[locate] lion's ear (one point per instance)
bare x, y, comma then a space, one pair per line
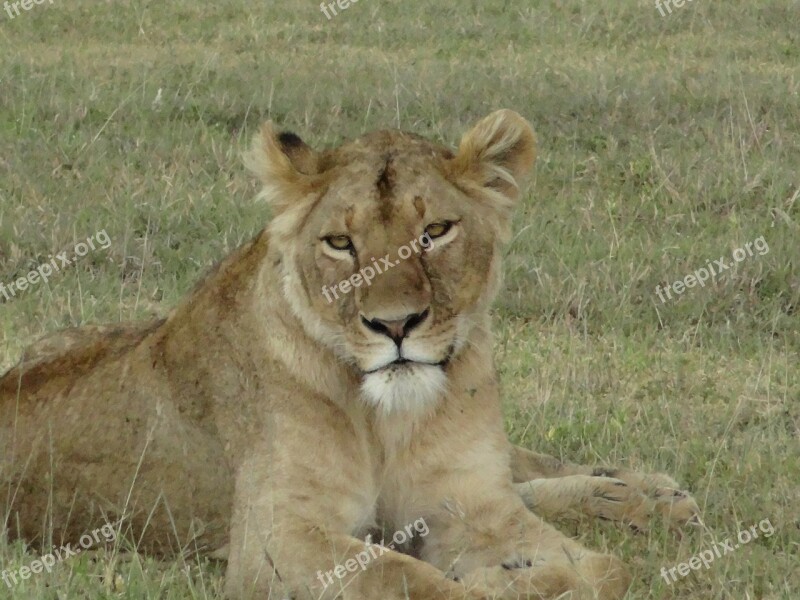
284, 163
497, 153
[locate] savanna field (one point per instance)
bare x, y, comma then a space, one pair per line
665, 143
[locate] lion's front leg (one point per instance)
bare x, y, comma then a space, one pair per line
557, 490
298, 546
490, 539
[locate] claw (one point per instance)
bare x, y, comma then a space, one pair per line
519, 563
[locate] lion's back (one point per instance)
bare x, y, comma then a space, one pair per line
55, 362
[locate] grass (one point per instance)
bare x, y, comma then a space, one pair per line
665, 143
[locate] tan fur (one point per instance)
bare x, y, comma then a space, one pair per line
250, 418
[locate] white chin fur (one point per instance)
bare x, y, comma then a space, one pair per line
409, 388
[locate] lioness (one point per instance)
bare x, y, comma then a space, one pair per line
269, 420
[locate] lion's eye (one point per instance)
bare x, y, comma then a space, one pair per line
339, 242
436, 230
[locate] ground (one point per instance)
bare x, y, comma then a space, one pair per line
666, 142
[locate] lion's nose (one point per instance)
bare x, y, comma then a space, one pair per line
397, 329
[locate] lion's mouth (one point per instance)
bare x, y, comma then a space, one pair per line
402, 363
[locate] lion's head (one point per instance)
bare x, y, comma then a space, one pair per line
392, 198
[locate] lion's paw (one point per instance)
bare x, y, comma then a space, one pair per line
656, 496
612, 499
677, 507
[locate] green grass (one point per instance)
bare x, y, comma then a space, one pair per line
665, 143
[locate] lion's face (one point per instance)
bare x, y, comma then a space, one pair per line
393, 245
